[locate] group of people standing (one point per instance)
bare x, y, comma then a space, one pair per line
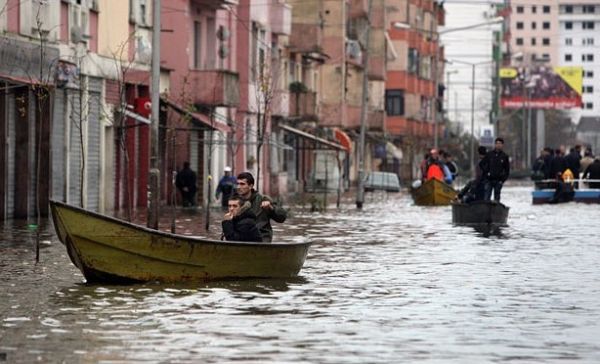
491, 171
565, 170
249, 213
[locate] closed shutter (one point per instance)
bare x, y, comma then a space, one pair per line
93, 144
10, 156
74, 150
57, 140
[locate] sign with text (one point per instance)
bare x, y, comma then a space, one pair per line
541, 87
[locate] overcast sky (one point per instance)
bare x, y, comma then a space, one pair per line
470, 46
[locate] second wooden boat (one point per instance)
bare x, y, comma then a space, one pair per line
480, 213
433, 193
110, 250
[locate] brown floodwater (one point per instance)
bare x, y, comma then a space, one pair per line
393, 283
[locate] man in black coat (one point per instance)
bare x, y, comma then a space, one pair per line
573, 161
593, 172
498, 170
239, 223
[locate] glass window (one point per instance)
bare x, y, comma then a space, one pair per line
546, 25
568, 57
534, 9
519, 25
520, 10
519, 41
589, 74
588, 25
589, 9
546, 9
533, 25
569, 41
589, 105
533, 41
569, 25
546, 41
394, 102
569, 9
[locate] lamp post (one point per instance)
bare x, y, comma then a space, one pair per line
471, 143
436, 36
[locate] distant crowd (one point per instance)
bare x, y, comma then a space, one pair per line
554, 164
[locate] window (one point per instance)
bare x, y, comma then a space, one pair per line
568, 57
519, 25
569, 25
587, 57
413, 60
587, 41
569, 9
588, 89
533, 25
519, 41
546, 57
589, 9
533, 41
546, 41
534, 57
588, 25
589, 74
534, 9
546, 9
394, 102
197, 45
589, 105
568, 41
546, 25
520, 10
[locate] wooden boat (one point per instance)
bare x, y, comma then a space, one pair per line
433, 193
480, 213
107, 249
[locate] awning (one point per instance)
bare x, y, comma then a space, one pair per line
201, 120
324, 142
343, 138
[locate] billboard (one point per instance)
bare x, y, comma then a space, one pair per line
541, 87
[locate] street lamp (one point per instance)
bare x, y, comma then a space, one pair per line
436, 36
472, 144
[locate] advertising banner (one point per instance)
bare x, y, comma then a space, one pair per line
541, 87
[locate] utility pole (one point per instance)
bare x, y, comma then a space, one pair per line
360, 193
472, 146
154, 178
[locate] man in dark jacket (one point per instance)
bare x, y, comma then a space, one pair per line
262, 206
573, 161
498, 170
593, 172
239, 223
185, 181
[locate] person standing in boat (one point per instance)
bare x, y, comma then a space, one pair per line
262, 206
498, 170
593, 172
185, 181
239, 223
226, 187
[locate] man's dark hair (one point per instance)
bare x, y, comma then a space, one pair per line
186, 164
482, 150
247, 176
236, 197
501, 140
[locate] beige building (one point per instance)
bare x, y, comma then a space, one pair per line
534, 29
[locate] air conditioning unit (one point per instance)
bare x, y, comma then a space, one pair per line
353, 50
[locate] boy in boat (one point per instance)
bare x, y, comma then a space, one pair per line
262, 206
474, 189
239, 223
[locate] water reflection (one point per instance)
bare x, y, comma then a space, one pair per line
393, 283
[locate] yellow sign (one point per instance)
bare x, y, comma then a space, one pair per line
508, 72
573, 76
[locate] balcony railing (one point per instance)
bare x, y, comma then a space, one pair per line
215, 87
303, 105
281, 18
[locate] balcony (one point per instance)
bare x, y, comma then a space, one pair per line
306, 38
376, 120
303, 105
359, 8
215, 4
215, 87
281, 19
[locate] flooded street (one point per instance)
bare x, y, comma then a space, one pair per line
394, 283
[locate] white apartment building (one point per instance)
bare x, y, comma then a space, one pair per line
579, 45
